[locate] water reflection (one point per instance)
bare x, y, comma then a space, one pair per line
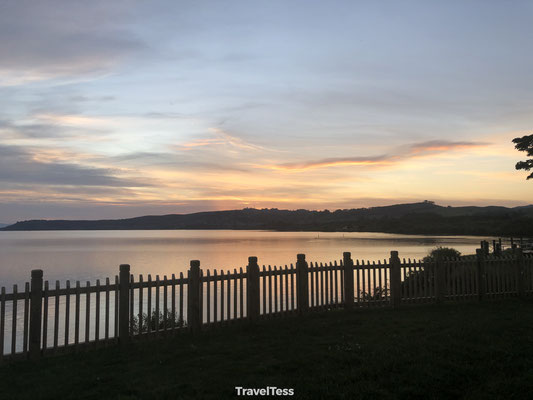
91, 255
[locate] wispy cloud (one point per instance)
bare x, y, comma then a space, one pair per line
44, 125
221, 138
333, 162
234, 140
70, 119
200, 143
401, 154
39, 40
19, 165
444, 146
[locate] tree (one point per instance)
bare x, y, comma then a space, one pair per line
525, 143
444, 252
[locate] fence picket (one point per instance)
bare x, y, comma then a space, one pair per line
222, 276
369, 283
373, 293
181, 297
314, 284
269, 273
263, 276
149, 309
116, 307
140, 307
67, 314
131, 305
208, 295
25, 328
106, 323
2, 320
321, 287
173, 302
215, 297
56, 317
77, 315
14, 322
45, 317
292, 287
97, 313
235, 294
165, 303
228, 298
276, 289
157, 295
87, 312
326, 284
241, 279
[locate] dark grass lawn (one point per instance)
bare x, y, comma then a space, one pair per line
478, 351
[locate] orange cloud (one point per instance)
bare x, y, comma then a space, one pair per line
443, 146
221, 138
200, 143
412, 151
69, 119
334, 162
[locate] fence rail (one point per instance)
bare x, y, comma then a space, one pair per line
44, 318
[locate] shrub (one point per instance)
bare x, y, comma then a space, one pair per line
378, 294
157, 320
442, 252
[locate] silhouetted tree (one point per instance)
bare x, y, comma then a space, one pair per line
525, 143
444, 252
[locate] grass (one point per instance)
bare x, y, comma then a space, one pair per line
474, 351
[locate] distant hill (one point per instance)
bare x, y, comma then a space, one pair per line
415, 218
2, 225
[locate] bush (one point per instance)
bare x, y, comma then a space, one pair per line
442, 252
379, 294
157, 320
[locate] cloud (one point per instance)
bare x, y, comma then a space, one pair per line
402, 154
221, 138
174, 162
49, 126
18, 165
49, 39
444, 145
336, 161
84, 99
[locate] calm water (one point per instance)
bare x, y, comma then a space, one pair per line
91, 255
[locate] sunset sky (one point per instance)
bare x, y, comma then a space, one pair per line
113, 109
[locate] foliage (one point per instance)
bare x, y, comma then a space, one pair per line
157, 320
378, 294
525, 143
508, 252
442, 252
419, 277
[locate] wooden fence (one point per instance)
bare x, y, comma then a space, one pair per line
44, 319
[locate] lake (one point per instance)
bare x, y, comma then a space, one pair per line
91, 255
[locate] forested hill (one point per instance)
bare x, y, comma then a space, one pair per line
416, 218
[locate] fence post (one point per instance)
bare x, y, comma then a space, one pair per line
481, 278
35, 313
123, 304
194, 312
302, 284
440, 279
348, 280
520, 267
252, 289
396, 278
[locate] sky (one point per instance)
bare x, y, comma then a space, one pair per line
127, 108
